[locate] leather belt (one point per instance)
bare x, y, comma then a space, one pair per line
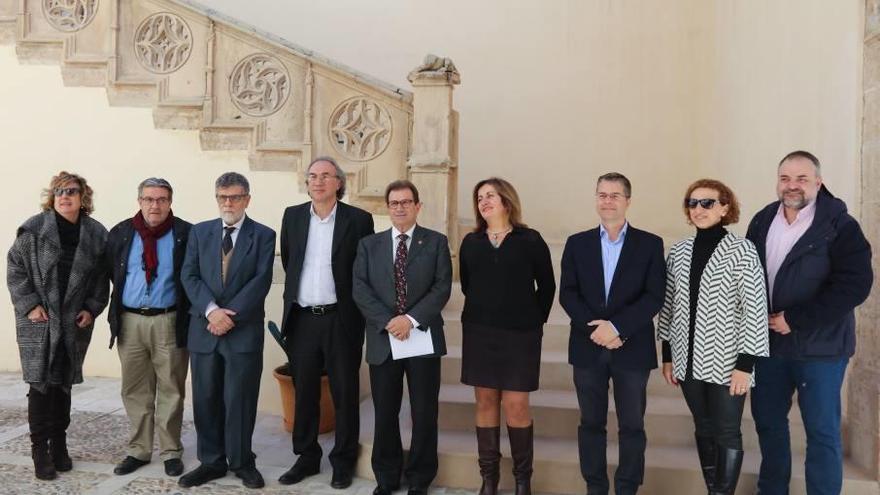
319, 310
149, 311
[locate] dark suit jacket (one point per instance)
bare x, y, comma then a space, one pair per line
428, 285
636, 296
118, 248
248, 281
350, 226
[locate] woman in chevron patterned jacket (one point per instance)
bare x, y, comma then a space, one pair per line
712, 326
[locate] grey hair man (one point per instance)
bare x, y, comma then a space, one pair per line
149, 315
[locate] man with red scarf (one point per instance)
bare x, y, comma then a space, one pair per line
149, 317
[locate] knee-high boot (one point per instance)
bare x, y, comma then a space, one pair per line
489, 451
60, 400
39, 422
521, 449
727, 467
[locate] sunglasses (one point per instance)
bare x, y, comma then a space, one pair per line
706, 203
65, 191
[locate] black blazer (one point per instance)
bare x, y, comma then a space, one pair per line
116, 262
636, 296
247, 284
428, 285
351, 225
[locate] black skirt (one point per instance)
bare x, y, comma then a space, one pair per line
499, 358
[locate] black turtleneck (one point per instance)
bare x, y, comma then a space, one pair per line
68, 234
705, 243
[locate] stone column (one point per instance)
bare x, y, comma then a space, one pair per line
433, 161
863, 398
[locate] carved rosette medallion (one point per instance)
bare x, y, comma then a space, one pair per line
69, 15
360, 128
259, 85
163, 43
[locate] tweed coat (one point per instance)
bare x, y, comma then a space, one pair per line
32, 278
731, 309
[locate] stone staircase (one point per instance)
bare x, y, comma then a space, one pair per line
671, 459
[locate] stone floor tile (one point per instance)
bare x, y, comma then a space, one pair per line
19, 480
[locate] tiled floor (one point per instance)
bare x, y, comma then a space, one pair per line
97, 437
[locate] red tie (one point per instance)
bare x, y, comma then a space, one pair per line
400, 273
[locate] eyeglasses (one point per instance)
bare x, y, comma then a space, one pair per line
404, 203
65, 191
234, 198
155, 201
706, 203
320, 178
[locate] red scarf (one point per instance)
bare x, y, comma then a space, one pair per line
149, 236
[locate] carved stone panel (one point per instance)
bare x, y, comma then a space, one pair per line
259, 85
69, 15
360, 128
163, 43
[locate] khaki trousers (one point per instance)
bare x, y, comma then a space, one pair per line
153, 383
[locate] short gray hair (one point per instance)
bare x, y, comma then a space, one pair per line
231, 179
155, 182
340, 174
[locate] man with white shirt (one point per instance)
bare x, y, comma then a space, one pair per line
396, 306
227, 273
818, 266
322, 326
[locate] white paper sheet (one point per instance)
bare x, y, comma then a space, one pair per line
419, 343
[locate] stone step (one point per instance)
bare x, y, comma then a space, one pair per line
668, 422
556, 467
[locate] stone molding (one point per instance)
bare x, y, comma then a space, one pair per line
241, 88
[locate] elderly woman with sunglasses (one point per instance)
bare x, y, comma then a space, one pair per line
58, 287
713, 326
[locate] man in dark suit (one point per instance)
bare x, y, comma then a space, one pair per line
322, 326
402, 280
613, 282
227, 274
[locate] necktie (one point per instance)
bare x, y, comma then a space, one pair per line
400, 273
227, 240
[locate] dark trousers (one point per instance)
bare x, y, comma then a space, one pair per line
423, 384
629, 400
818, 385
318, 343
225, 387
717, 414
48, 414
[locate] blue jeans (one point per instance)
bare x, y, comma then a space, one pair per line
818, 384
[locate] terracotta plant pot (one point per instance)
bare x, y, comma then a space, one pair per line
288, 398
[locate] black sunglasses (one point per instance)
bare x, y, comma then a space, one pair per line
65, 191
706, 203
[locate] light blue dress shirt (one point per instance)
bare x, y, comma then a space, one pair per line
161, 293
610, 256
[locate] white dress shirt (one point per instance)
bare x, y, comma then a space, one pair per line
234, 235
316, 284
394, 242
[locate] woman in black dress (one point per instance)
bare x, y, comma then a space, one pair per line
508, 282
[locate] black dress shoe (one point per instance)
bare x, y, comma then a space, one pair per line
250, 477
299, 472
129, 465
173, 467
340, 479
200, 476
384, 490
417, 491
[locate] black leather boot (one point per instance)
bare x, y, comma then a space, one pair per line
60, 421
489, 451
522, 451
39, 422
727, 467
706, 448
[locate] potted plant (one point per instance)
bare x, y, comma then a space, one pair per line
288, 396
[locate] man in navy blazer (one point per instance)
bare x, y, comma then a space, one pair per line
227, 274
613, 283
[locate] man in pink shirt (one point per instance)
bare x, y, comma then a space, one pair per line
818, 266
